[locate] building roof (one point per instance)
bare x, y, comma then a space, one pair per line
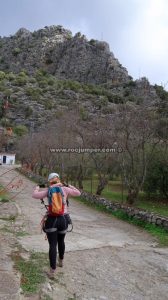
7, 154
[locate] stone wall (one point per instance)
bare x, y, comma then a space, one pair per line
133, 212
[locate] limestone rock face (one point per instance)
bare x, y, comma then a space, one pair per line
63, 55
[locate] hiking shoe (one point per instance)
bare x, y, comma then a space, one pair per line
60, 262
51, 273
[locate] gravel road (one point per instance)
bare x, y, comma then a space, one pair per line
105, 258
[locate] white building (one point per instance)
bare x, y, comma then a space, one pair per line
7, 158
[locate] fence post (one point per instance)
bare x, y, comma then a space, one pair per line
91, 184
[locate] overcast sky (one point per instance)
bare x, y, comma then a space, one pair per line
136, 30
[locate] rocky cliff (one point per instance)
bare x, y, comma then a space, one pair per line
49, 71
55, 50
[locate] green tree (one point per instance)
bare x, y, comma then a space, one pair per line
156, 182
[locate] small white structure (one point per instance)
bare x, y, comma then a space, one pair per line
7, 158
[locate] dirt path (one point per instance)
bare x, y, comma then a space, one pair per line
105, 258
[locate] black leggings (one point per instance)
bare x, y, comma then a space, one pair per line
56, 237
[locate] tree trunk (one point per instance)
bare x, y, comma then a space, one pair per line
80, 177
41, 170
101, 185
132, 195
80, 184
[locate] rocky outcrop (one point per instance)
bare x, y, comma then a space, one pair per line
55, 50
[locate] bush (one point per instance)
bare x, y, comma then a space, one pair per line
8, 93
35, 93
5, 122
131, 98
42, 83
72, 85
92, 42
2, 75
28, 112
115, 99
48, 104
20, 130
94, 90
156, 181
16, 51
161, 92
10, 76
32, 80
21, 79
41, 74
51, 81
126, 92
130, 83
2, 86
83, 114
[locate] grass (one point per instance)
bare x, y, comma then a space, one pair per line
47, 297
10, 218
32, 274
158, 232
156, 206
21, 233
113, 192
3, 196
4, 199
6, 229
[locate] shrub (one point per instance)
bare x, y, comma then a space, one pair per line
5, 122
2, 75
93, 89
156, 181
10, 76
20, 130
126, 92
28, 112
32, 80
83, 114
72, 85
8, 92
51, 81
161, 92
22, 73
43, 83
131, 98
2, 86
130, 83
16, 51
69, 36
92, 42
48, 104
40, 74
35, 93
115, 98
21, 79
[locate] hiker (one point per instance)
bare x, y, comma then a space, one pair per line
56, 224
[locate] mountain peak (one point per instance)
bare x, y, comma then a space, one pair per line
58, 52
22, 32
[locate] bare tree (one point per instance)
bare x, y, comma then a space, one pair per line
136, 131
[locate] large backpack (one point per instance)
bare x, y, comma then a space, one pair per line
56, 201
